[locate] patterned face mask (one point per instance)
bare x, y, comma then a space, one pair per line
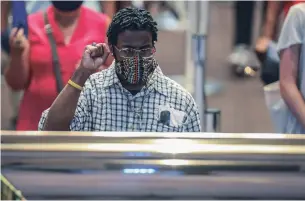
136, 70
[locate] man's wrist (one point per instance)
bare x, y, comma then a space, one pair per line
80, 76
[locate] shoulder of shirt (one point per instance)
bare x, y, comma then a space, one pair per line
173, 88
297, 9
97, 79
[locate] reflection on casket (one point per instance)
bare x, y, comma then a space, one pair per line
154, 165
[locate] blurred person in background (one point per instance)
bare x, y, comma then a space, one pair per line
291, 48
132, 95
244, 59
243, 55
271, 21
10, 10
266, 43
164, 14
31, 63
269, 25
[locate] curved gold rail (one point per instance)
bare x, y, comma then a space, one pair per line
226, 166
87, 146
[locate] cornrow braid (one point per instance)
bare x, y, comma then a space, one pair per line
132, 19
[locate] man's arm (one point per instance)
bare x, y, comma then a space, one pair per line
289, 44
69, 103
271, 19
269, 26
72, 102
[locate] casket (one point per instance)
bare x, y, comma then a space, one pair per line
89, 165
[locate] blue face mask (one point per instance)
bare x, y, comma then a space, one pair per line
136, 70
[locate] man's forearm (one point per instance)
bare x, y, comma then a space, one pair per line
294, 101
62, 111
272, 14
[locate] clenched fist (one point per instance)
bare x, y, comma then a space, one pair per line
94, 56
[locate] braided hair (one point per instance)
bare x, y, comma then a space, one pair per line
132, 19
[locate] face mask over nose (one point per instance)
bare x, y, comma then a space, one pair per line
136, 70
67, 6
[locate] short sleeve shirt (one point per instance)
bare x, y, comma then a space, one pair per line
105, 105
289, 4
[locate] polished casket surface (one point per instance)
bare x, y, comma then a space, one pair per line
77, 165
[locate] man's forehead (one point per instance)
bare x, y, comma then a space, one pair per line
134, 38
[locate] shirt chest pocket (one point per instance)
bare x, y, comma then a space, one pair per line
155, 124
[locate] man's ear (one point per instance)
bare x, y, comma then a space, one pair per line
111, 49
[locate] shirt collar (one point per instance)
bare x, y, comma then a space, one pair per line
157, 80
110, 77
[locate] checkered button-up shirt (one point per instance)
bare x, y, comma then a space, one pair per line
104, 105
